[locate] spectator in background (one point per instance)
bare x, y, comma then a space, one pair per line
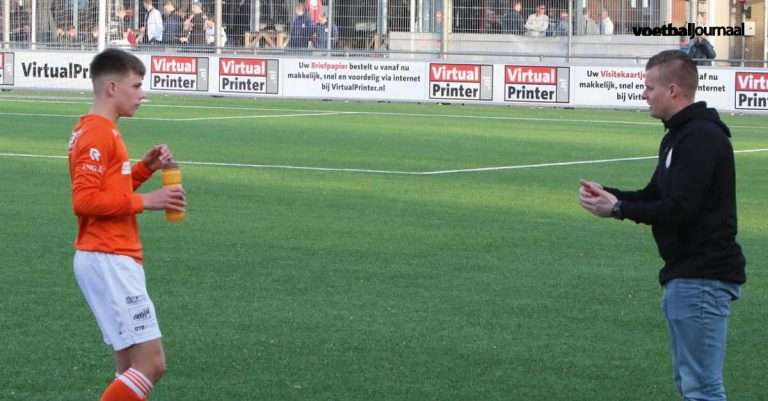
606, 25
153, 25
322, 30
588, 26
701, 51
237, 18
562, 26
210, 33
129, 19
93, 37
537, 23
173, 25
301, 29
439, 21
491, 22
195, 25
514, 22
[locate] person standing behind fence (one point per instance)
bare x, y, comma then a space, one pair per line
322, 29
701, 50
562, 26
606, 25
301, 29
173, 25
690, 204
537, 23
153, 25
195, 25
514, 22
588, 26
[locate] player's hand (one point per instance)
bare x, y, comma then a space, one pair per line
157, 157
589, 188
594, 199
172, 198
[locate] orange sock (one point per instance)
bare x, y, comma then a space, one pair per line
132, 385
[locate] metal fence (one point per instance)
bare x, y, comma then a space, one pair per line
419, 28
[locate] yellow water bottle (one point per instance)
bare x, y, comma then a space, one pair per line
171, 176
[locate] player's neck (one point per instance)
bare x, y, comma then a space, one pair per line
105, 110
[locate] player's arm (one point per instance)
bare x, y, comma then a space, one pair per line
88, 182
690, 176
156, 158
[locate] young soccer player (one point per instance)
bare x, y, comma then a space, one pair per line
108, 258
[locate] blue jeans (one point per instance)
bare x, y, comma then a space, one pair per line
697, 315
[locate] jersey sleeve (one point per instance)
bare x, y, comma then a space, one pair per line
90, 196
140, 173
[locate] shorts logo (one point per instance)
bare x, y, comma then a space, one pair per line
126, 168
95, 154
141, 314
134, 299
142, 319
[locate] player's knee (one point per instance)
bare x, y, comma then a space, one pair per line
158, 368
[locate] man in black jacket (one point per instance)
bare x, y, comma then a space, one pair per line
701, 50
690, 204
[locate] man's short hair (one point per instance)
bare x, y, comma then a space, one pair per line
116, 62
676, 67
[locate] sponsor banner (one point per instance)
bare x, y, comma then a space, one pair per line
51, 70
460, 81
751, 90
353, 79
178, 73
608, 86
714, 88
623, 87
250, 76
536, 84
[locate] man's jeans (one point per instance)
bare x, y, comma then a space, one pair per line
697, 314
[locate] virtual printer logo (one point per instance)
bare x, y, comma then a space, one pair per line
179, 73
240, 75
538, 84
460, 81
751, 90
6, 69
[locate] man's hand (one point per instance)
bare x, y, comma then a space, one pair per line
594, 199
157, 157
173, 198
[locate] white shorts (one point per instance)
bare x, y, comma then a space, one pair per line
116, 291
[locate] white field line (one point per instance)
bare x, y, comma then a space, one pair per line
391, 172
331, 112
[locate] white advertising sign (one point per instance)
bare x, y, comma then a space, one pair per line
608, 86
623, 87
727, 89
52, 70
353, 79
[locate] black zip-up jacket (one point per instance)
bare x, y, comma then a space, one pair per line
690, 201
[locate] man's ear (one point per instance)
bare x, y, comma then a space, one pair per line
110, 88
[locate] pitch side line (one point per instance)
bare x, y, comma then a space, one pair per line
391, 172
328, 112
187, 119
